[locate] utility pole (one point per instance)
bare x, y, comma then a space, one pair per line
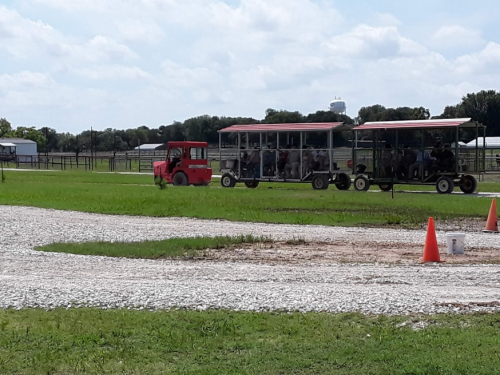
91, 143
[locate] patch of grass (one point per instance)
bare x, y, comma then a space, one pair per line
170, 248
284, 203
221, 342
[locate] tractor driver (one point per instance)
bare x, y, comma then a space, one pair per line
175, 159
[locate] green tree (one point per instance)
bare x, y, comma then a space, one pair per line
483, 106
30, 133
282, 117
52, 139
5, 127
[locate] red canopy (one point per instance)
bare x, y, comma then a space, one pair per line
417, 124
296, 127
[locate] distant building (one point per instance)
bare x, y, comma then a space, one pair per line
490, 142
151, 148
25, 149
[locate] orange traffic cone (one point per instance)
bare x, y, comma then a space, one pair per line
431, 250
492, 222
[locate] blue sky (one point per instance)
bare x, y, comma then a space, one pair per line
74, 64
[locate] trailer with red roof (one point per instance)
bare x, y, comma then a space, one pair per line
292, 152
418, 152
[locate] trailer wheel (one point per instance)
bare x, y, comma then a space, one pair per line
227, 180
385, 187
361, 183
444, 185
320, 182
468, 184
251, 184
180, 179
343, 182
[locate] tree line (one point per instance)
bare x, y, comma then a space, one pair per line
483, 107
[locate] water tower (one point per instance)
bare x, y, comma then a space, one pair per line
338, 106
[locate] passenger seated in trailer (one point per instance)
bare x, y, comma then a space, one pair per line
282, 160
269, 162
242, 161
446, 160
253, 164
419, 164
317, 157
307, 160
386, 161
293, 163
435, 155
407, 158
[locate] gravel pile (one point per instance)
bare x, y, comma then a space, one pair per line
34, 279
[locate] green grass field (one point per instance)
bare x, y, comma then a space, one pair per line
277, 203
224, 342
61, 341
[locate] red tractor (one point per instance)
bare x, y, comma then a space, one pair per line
186, 164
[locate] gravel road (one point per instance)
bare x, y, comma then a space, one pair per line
35, 279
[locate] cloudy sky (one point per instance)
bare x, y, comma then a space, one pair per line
72, 64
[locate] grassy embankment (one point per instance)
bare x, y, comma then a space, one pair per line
279, 203
221, 342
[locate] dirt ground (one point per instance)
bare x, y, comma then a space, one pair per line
320, 252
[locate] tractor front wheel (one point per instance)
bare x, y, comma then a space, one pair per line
180, 179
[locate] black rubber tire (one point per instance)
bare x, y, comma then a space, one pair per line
343, 182
251, 184
468, 184
180, 179
320, 182
385, 186
444, 185
361, 183
227, 180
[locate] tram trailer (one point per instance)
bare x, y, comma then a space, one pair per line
260, 149
381, 163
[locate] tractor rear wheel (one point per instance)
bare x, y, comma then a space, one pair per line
180, 179
227, 180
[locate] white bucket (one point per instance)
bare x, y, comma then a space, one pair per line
455, 243
229, 164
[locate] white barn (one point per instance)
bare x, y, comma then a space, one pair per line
25, 149
491, 142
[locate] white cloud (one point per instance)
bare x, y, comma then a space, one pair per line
456, 36
158, 60
25, 80
370, 42
484, 62
114, 72
137, 30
